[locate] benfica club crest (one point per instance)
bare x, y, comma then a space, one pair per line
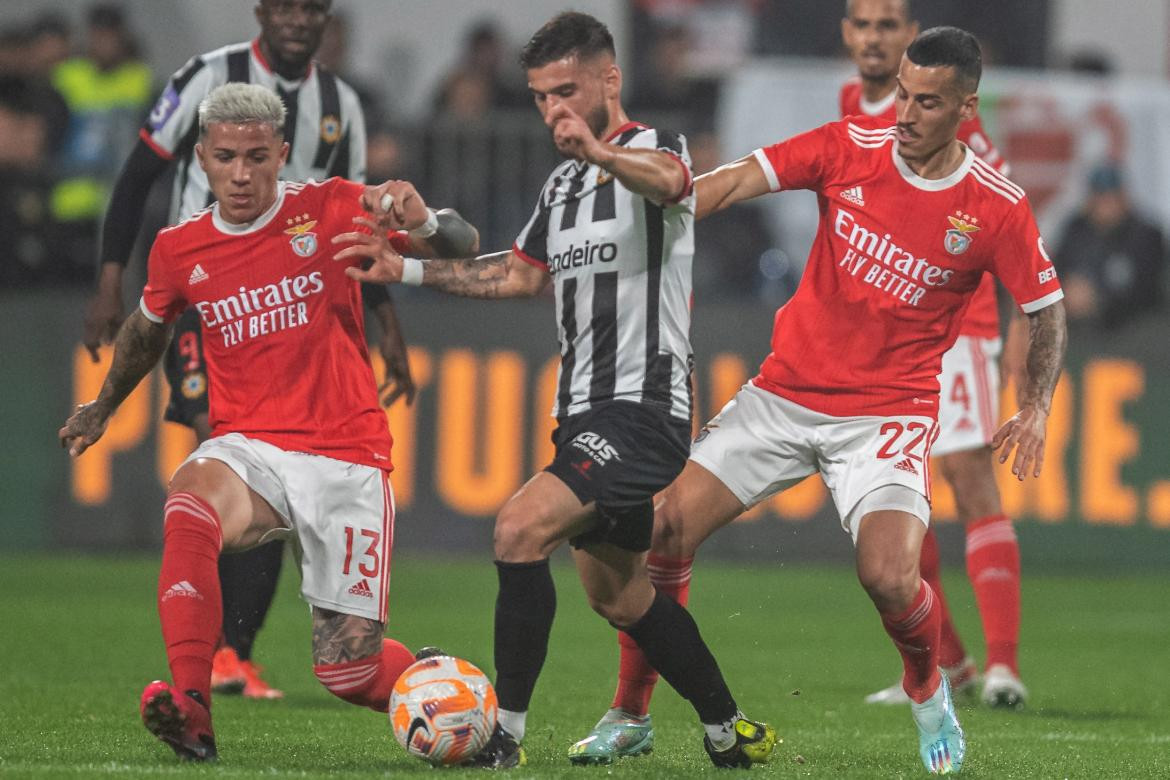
958, 238
303, 242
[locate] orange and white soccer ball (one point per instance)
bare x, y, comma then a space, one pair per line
443, 709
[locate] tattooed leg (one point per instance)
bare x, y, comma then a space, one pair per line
338, 638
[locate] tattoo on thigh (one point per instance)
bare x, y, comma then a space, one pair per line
338, 637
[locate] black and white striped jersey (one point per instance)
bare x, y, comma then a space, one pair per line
325, 127
621, 266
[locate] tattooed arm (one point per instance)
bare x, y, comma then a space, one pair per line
338, 637
1047, 340
502, 275
137, 348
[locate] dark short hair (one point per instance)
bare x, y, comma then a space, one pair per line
907, 8
949, 47
567, 34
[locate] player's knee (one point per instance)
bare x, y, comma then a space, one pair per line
518, 537
670, 535
891, 585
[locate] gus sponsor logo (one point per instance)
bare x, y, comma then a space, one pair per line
596, 447
578, 256
876, 259
261, 310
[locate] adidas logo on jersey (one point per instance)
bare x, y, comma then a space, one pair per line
853, 195
182, 589
906, 465
197, 275
362, 588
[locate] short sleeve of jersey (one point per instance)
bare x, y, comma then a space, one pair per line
675, 145
355, 132
1021, 262
162, 300
177, 108
531, 245
803, 161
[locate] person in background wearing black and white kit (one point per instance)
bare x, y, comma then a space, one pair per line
614, 231
326, 132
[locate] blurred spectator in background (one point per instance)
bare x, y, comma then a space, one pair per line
108, 91
667, 93
483, 79
25, 221
1109, 258
49, 43
731, 244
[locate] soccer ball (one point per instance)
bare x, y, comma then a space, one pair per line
443, 709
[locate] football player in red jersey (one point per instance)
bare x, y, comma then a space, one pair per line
911, 220
876, 33
309, 456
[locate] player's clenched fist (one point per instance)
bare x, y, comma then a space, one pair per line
396, 205
386, 265
83, 428
572, 135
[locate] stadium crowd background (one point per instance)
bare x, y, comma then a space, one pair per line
1076, 96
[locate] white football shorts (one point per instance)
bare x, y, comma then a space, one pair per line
968, 410
342, 514
761, 444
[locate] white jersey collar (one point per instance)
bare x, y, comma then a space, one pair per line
933, 185
877, 107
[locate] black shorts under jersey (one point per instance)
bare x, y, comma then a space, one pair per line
619, 455
186, 371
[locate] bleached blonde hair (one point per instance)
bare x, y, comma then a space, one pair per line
240, 104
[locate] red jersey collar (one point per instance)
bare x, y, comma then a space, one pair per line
259, 55
622, 129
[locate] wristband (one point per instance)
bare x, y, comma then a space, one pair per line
412, 271
428, 228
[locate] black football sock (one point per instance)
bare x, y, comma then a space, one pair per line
525, 607
670, 640
248, 581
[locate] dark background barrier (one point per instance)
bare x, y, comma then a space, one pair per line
480, 427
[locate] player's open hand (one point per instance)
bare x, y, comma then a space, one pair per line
398, 382
372, 258
572, 135
395, 205
1024, 433
83, 429
103, 317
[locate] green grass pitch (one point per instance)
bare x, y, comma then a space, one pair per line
799, 646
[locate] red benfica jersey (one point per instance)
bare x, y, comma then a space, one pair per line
894, 264
283, 330
982, 317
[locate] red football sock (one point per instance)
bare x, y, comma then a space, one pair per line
950, 650
636, 677
915, 633
367, 682
993, 564
190, 606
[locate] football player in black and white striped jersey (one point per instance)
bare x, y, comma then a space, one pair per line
613, 230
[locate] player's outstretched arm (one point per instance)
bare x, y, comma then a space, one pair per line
137, 348
502, 275
742, 179
653, 174
1025, 431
